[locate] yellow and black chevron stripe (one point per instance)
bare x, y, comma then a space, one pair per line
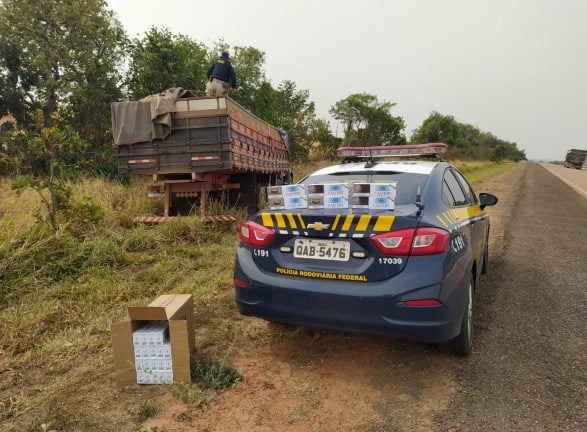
458, 216
352, 225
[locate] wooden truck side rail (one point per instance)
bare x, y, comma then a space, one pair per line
209, 134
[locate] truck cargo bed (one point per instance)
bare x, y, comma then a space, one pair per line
209, 135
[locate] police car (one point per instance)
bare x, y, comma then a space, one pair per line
381, 247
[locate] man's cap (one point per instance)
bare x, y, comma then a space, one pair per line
225, 55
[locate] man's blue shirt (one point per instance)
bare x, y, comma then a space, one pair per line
222, 70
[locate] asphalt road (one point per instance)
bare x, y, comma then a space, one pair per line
529, 368
575, 178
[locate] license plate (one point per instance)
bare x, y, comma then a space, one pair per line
330, 250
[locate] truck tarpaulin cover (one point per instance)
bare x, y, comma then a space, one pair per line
147, 119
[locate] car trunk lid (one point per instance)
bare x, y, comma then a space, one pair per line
336, 246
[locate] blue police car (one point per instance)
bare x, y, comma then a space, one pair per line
382, 247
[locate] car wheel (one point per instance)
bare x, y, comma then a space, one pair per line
486, 255
462, 345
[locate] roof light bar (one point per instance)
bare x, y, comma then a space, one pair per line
430, 149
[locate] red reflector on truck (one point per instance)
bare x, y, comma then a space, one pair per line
205, 158
141, 161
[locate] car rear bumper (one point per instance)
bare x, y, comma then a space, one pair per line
372, 307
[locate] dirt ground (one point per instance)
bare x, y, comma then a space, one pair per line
324, 381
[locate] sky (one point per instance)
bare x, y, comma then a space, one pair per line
515, 68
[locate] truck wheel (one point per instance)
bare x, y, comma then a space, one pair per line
462, 344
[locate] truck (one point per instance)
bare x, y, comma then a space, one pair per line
576, 159
196, 147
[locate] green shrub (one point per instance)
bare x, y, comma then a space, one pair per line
214, 374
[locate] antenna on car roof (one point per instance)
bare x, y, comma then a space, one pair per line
370, 162
419, 199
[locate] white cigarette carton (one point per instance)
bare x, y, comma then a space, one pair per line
341, 201
154, 377
361, 189
315, 201
336, 190
383, 190
152, 353
293, 191
359, 201
274, 191
276, 202
381, 203
295, 202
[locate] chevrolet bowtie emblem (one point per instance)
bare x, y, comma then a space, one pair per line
318, 226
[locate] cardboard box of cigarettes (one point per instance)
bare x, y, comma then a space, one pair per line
156, 344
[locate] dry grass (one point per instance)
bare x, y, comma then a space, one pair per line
302, 170
59, 294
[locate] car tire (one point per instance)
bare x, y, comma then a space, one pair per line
485, 264
462, 344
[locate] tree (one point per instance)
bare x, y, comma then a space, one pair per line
437, 128
162, 60
52, 141
248, 63
368, 121
49, 51
465, 139
296, 114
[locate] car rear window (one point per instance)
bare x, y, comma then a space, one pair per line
406, 189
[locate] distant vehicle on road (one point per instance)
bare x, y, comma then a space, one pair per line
382, 247
576, 159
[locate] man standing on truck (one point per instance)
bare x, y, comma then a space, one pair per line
221, 77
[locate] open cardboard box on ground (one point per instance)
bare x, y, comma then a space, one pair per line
178, 309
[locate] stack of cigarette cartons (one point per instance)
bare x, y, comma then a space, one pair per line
287, 197
156, 345
332, 195
374, 196
153, 353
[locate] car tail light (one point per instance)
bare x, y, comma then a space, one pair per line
430, 241
254, 234
421, 241
394, 242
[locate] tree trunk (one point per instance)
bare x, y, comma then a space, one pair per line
49, 107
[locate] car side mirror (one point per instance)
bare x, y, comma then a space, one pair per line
487, 199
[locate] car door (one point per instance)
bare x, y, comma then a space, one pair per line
461, 241
478, 220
